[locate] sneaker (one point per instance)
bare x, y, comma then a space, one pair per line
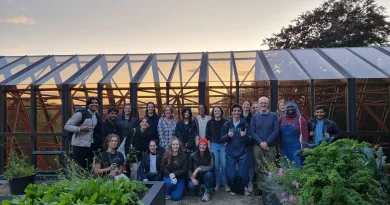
227, 188
232, 193
206, 196
217, 188
168, 197
246, 192
250, 187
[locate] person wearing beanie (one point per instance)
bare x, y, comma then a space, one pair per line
202, 166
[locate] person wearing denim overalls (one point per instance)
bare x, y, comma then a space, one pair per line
293, 130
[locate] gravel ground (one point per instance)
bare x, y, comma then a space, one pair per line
4, 190
218, 198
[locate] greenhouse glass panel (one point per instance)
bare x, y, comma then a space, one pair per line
98, 70
284, 66
315, 65
356, 66
14, 68
375, 56
38, 71
7, 60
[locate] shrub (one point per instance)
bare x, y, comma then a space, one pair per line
18, 166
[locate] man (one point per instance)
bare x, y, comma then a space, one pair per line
321, 128
234, 134
111, 124
85, 125
255, 107
264, 130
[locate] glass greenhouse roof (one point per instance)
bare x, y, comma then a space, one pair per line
187, 68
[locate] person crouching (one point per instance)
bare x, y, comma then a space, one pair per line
202, 166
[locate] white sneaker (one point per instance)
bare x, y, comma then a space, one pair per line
168, 197
232, 193
217, 188
227, 188
250, 187
246, 192
206, 196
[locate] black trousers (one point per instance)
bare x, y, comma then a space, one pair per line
83, 156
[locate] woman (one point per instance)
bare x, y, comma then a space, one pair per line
186, 131
151, 114
174, 166
138, 139
126, 121
149, 168
281, 107
247, 116
293, 130
213, 134
166, 127
201, 166
110, 161
201, 122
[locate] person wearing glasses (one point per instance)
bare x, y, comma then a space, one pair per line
264, 130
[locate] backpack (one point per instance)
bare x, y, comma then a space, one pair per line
83, 111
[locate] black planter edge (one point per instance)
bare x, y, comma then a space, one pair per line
156, 193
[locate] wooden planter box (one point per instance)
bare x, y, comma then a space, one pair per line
155, 196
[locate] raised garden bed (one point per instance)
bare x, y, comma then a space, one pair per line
155, 195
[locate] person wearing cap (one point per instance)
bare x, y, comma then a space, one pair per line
111, 125
201, 166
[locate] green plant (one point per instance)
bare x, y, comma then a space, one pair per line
132, 155
78, 186
18, 166
344, 172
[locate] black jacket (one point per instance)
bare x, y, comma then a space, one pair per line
153, 126
112, 129
144, 166
140, 141
213, 130
329, 126
186, 134
248, 118
127, 125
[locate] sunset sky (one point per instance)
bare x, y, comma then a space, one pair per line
32, 27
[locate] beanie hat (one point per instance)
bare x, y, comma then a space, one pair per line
203, 140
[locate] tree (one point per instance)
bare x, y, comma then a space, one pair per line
336, 23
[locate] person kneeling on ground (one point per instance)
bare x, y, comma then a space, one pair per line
149, 168
202, 166
110, 162
175, 168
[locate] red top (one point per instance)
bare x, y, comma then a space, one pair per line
299, 126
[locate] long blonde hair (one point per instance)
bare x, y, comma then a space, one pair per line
169, 153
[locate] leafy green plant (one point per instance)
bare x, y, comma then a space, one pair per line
78, 186
132, 155
18, 166
344, 172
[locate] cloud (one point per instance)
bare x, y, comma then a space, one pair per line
13, 50
18, 20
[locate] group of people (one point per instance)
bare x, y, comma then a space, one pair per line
196, 152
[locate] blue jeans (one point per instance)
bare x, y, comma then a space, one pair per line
174, 190
231, 171
220, 163
203, 178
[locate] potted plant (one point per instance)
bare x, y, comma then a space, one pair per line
19, 173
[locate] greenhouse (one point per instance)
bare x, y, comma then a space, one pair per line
38, 93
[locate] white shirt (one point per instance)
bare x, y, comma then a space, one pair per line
153, 167
202, 125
